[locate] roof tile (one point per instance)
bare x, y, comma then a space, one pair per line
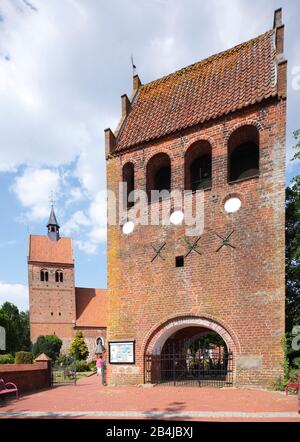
91, 307
208, 89
43, 249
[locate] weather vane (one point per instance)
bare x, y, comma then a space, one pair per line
133, 66
51, 198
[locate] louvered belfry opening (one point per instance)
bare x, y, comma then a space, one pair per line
159, 174
243, 153
198, 166
128, 178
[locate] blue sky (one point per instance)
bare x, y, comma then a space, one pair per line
63, 66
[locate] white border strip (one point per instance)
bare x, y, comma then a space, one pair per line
155, 414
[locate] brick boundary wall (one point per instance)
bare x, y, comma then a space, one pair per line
27, 377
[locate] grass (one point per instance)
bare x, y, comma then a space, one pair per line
59, 378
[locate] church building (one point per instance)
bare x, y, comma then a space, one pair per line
206, 308
56, 306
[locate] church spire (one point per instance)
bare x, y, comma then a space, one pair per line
53, 226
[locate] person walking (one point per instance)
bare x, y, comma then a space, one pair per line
101, 368
98, 365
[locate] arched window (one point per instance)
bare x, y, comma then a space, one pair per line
243, 153
128, 178
197, 164
158, 175
44, 277
59, 276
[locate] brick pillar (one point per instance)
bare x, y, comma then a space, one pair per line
45, 361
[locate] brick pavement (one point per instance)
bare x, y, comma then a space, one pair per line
88, 399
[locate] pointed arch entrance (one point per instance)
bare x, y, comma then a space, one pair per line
191, 351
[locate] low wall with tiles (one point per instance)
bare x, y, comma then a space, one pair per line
27, 377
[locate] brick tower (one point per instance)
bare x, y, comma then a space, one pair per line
218, 127
51, 284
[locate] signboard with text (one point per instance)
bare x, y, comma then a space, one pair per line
121, 352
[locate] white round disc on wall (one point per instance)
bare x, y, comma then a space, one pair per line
176, 217
128, 227
232, 205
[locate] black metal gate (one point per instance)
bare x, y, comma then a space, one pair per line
181, 363
63, 372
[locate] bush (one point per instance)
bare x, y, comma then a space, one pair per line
291, 366
65, 359
92, 365
82, 366
7, 359
79, 347
49, 344
296, 362
23, 357
279, 384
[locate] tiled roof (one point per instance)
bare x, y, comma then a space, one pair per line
42, 357
208, 89
91, 307
42, 249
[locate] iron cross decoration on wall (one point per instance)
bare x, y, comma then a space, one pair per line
193, 246
158, 252
225, 241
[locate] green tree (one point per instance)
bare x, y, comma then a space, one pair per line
292, 260
49, 344
17, 328
79, 347
10, 315
3, 321
25, 342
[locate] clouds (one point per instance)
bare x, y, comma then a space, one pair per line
15, 293
31, 188
52, 113
89, 227
75, 223
63, 67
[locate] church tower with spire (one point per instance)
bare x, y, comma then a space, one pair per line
51, 283
56, 306
52, 226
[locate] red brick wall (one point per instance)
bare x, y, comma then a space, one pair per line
242, 289
27, 377
51, 304
53, 307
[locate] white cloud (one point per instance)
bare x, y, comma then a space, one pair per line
63, 69
98, 216
33, 189
96, 234
229, 19
75, 223
15, 293
75, 195
47, 100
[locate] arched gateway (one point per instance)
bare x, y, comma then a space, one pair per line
191, 351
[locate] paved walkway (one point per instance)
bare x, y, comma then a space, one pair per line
88, 399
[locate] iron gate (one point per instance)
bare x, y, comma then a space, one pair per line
183, 364
63, 372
